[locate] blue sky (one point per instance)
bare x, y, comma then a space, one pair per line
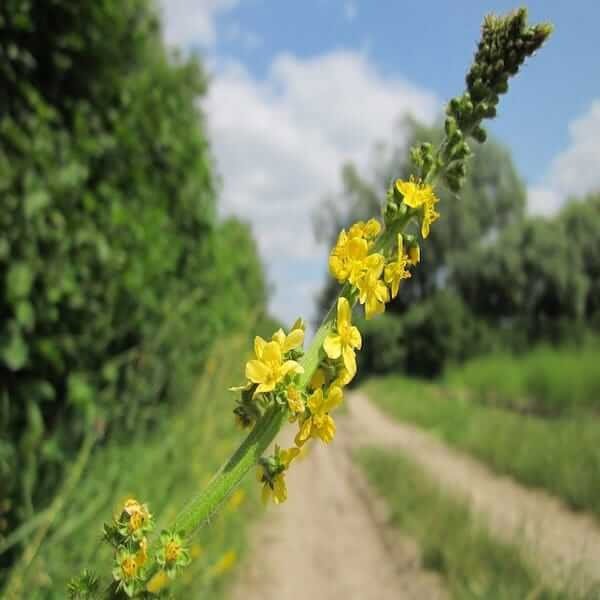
300, 87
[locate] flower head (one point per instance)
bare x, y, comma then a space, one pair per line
345, 339
373, 292
320, 423
419, 195
396, 271
271, 473
173, 554
294, 400
291, 341
268, 368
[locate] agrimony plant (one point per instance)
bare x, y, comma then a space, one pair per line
284, 381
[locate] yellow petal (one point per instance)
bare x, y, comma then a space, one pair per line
287, 456
373, 227
333, 346
266, 493
315, 401
355, 338
279, 490
279, 337
263, 388
291, 366
293, 340
334, 398
259, 345
304, 432
349, 360
256, 371
344, 312
272, 353
327, 430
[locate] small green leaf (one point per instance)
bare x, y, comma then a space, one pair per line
14, 353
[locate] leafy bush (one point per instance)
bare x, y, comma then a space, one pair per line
114, 276
546, 381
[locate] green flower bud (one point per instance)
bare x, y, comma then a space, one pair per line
479, 134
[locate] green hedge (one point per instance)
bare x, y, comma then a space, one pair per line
114, 276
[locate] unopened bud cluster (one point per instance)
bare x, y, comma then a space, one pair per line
505, 44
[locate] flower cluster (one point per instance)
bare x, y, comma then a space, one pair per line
127, 535
357, 258
373, 273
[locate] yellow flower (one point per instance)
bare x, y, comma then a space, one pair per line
172, 550
346, 339
343, 378
274, 487
129, 566
373, 292
320, 423
294, 400
430, 215
396, 271
346, 261
367, 230
420, 195
138, 514
269, 369
291, 341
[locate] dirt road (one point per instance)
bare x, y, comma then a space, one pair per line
328, 542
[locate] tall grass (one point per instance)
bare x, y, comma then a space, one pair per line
453, 542
560, 455
546, 381
164, 467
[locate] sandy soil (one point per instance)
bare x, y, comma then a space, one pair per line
329, 540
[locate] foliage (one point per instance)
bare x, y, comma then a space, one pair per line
560, 455
452, 540
114, 276
546, 381
167, 462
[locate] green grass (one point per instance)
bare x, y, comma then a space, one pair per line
452, 541
560, 455
546, 381
165, 468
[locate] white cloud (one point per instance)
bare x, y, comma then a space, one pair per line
280, 143
350, 10
192, 22
576, 170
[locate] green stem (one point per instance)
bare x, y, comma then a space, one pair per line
203, 506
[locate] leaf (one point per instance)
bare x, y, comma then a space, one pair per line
15, 352
19, 280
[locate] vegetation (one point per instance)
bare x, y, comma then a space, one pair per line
452, 540
549, 382
560, 455
169, 462
114, 274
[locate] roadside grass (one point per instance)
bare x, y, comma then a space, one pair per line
546, 381
163, 467
452, 540
560, 455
